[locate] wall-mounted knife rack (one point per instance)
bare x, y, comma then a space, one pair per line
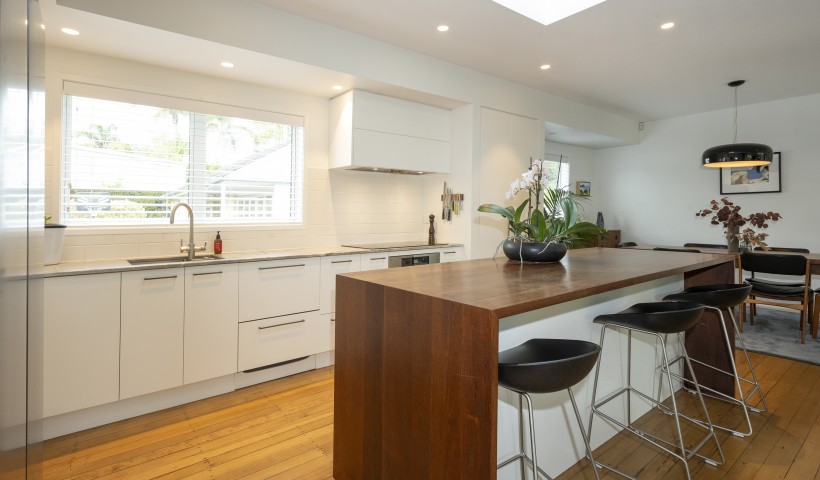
451, 203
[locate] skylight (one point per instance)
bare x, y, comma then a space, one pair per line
548, 11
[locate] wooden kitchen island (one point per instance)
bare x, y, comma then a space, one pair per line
417, 348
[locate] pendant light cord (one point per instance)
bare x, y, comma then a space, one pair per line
735, 137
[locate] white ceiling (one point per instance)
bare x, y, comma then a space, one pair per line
612, 56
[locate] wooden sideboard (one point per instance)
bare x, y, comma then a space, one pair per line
611, 239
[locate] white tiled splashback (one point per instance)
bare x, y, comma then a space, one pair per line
340, 207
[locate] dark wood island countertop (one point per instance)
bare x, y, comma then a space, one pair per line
417, 352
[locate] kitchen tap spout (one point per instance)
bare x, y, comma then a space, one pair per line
191, 246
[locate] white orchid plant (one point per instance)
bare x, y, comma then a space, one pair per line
553, 214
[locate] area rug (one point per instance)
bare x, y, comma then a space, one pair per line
777, 332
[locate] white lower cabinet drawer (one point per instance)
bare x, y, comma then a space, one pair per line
279, 339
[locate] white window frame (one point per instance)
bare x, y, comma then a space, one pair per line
77, 88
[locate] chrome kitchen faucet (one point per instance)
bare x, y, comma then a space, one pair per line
191, 248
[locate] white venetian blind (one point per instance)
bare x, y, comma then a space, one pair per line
129, 156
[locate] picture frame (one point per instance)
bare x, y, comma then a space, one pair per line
734, 181
583, 188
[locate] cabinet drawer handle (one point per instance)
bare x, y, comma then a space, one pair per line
332, 319
160, 278
447, 253
341, 261
377, 258
282, 324
207, 273
282, 266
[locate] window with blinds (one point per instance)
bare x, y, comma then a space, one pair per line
557, 172
128, 157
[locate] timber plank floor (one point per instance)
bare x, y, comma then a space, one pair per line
284, 430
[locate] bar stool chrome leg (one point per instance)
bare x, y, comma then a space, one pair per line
722, 297
738, 380
753, 381
645, 318
544, 366
532, 461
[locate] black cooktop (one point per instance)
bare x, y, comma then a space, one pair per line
394, 245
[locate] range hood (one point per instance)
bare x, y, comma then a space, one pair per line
376, 133
386, 170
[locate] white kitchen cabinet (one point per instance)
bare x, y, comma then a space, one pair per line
211, 312
152, 314
274, 340
374, 261
375, 131
278, 287
331, 266
451, 254
81, 340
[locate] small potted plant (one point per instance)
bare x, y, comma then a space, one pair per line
53, 236
552, 223
728, 214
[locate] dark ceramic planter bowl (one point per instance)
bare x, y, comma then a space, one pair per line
534, 252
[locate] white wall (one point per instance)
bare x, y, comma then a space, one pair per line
651, 191
340, 207
508, 141
581, 167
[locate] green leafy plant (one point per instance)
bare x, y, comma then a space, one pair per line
553, 215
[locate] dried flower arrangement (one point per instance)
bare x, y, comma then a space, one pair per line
727, 213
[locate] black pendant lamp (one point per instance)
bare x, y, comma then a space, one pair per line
737, 154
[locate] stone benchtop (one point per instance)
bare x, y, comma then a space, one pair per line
122, 265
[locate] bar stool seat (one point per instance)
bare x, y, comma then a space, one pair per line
543, 365
657, 319
719, 298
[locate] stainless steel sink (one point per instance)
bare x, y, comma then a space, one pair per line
177, 259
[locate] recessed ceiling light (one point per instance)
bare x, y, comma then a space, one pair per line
69, 31
545, 67
43, 26
667, 25
337, 87
443, 28
227, 64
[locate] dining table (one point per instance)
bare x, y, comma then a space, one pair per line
813, 257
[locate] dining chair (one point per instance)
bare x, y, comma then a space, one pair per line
789, 249
706, 245
795, 295
815, 318
665, 249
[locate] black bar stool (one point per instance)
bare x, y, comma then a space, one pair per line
544, 365
725, 297
657, 319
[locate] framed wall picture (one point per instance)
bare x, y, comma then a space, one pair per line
763, 179
583, 188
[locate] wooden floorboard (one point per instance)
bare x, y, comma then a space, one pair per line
284, 430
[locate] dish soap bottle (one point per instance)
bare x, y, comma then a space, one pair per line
217, 244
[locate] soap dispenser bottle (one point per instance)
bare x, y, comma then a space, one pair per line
218, 244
